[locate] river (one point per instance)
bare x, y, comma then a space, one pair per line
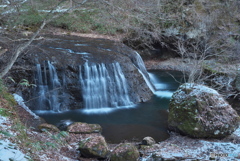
130, 123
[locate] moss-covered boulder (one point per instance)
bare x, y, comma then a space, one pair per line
94, 147
49, 127
81, 128
199, 111
125, 152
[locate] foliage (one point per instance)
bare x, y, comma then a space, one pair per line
6, 133
7, 96
22, 84
82, 21
57, 141
143, 23
31, 18
4, 112
22, 136
26, 83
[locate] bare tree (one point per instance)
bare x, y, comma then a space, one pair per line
20, 49
202, 66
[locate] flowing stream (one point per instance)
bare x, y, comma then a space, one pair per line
132, 122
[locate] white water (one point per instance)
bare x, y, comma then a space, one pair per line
47, 87
161, 88
102, 87
151, 87
71, 51
141, 68
105, 110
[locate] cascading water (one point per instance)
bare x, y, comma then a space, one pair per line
162, 88
141, 68
103, 85
47, 87
100, 82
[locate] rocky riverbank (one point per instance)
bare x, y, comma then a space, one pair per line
177, 147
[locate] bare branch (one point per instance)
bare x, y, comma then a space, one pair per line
23, 47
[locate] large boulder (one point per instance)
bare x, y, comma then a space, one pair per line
80, 128
61, 57
148, 141
94, 147
49, 127
125, 152
199, 111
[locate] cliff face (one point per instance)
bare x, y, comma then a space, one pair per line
56, 65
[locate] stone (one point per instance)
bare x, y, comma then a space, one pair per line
63, 124
84, 128
125, 152
199, 111
94, 147
48, 127
237, 81
148, 141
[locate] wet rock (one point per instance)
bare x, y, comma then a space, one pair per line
66, 54
80, 128
237, 81
49, 127
148, 141
94, 147
125, 152
63, 124
199, 111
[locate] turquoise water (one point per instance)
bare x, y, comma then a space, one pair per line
129, 123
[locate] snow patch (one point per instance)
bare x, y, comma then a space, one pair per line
197, 88
8, 151
21, 103
185, 148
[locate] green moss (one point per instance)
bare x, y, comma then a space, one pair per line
184, 116
5, 95
125, 151
94, 147
4, 112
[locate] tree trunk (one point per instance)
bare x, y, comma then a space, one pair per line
19, 50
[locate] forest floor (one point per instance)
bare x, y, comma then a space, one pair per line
176, 147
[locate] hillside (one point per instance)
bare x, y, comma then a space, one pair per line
197, 37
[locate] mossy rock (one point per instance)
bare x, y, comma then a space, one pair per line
84, 128
125, 152
199, 111
48, 127
94, 147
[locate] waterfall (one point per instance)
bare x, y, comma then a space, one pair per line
162, 89
103, 86
47, 87
143, 71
